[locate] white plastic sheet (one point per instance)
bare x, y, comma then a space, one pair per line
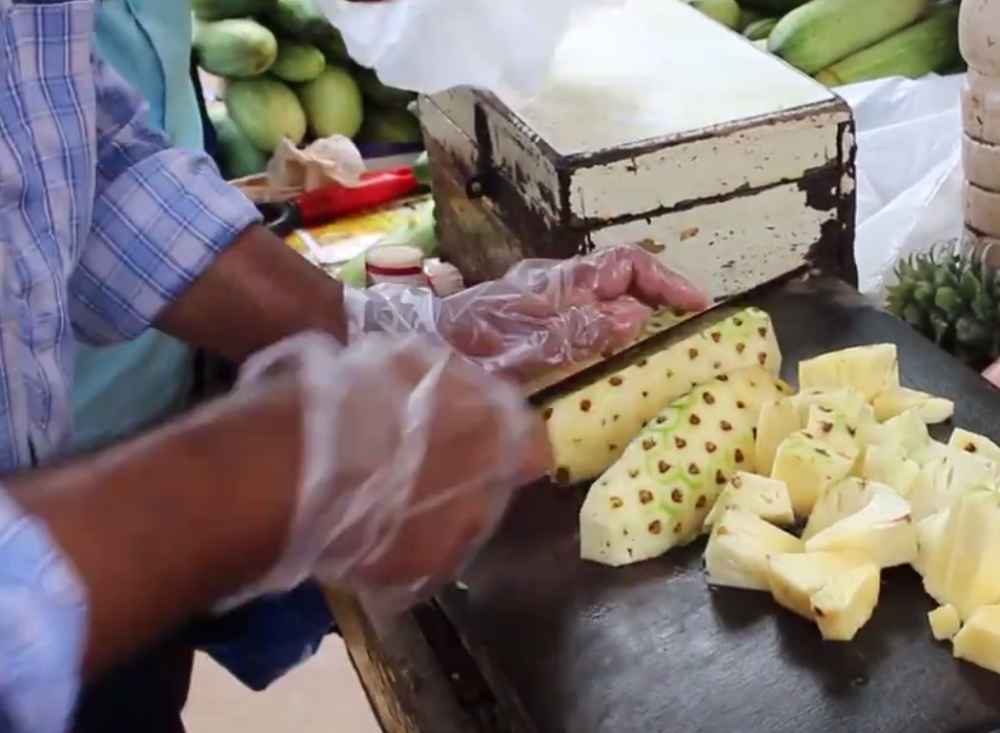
909, 171
432, 45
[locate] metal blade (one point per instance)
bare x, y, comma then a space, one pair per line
581, 375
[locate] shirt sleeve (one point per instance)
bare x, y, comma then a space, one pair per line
161, 215
43, 619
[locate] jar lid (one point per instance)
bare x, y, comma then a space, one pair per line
394, 259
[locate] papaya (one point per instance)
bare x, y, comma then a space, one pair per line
238, 155
235, 48
332, 103
373, 90
298, 62
266, 111
222, 9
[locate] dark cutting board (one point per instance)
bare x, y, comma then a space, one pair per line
573, 647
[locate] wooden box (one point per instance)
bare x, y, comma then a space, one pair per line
657, 124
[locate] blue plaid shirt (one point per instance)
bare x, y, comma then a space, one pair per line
102, 224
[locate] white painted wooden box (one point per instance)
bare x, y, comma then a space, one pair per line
656, 124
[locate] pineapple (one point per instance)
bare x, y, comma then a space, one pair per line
945, 479
846, 602
882, 529
765, 497
591, 427
944, 622
970, 442
840, 500
886, 467
795, 577
778, 419
808, 465
952, 299
906, 435
846, 401
871, 370
979, 640
929, 530
964, 568
738, 549
658, 494
932, 410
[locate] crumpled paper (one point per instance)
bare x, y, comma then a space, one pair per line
293, 171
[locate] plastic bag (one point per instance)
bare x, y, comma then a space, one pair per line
909, 171
433, 45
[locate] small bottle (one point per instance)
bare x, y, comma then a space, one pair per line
399, 264
445, 278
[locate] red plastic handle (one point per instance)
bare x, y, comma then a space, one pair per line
374, 189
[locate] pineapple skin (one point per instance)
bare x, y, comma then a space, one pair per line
590, 428
659, 493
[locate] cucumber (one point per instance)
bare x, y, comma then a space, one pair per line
222, 9
818, 34
235, 48
924, 48
759, 30
726, 12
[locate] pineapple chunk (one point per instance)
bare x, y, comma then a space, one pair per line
882, 529
778, 419
930, 451
886, 467
964, 569
871, 370
932, 410
808, 466
906, 434
738, 549
591, 427
929, 532
765, 497
795, 577
944, 622
943, 480
658, 494
845, 401
969, 442
842, 499
837, 430
978, 641
846, 602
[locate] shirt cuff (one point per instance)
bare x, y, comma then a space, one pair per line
43, 622
156, 227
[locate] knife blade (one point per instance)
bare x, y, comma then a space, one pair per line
566, 380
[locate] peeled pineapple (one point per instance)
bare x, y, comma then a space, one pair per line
964, 568
979, 640
884, 466
871, 370
778, 419
929, 530
842, 499
591, 427
808, 465
846, 602
943, 480
944, 622
765, 497
906, 435
969, 442
738, 549
883, 530
795, 577
658, 494
845, 401
932, 410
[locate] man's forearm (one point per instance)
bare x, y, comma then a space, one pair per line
163, 526
256, 293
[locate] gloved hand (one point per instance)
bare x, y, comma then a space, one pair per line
411, 456
992, 373
542, 315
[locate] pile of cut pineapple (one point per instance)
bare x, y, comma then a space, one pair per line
704, 438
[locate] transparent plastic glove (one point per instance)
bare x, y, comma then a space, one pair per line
411, 458
992, 373
542, 315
